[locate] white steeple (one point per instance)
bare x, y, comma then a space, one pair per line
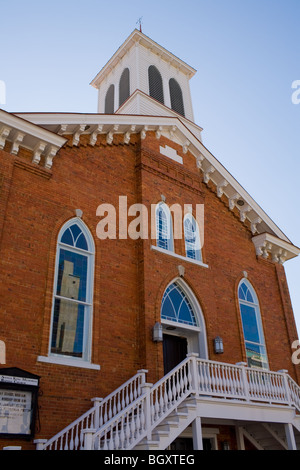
143, 78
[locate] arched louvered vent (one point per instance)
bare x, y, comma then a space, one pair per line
176, 97
124, 87
110, 100
155, 84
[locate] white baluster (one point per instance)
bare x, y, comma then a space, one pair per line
111, 445
122, 434
71, 440
117, 437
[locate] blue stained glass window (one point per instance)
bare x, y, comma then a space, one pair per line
192, 238
252, 326
164, 227
72, 275
249, 319
177, 307
73, 236
72, 294
245, 294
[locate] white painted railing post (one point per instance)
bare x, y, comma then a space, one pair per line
146, 389
194, 372
287, 390
88, 439
97, 403
245, 381
40, 443
143, 373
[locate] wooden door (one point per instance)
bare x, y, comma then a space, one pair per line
175, 351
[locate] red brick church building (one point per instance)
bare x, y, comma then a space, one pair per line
144, 302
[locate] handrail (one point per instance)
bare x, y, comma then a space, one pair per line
72, 437
139, 419
199, 377
119, 424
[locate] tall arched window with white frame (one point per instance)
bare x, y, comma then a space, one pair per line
252, 326
164, 227
192, 238
73, 292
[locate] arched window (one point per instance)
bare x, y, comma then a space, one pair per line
192, 238
176, 306
155, 84
252, 326
110, 100
176, 96
73, 292
164, 230
124, 86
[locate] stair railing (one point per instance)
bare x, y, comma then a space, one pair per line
132, 412
72, 437
139, 419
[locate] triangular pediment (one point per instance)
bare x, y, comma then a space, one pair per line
139, 103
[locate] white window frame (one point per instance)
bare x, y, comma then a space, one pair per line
196, 246
169, 228
259, 325
88, 316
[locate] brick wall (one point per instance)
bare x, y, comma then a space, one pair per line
130, 277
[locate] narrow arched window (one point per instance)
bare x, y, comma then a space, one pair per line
176, 96
73, 292
110, 100
192, 238
124, 86
176, 306
155, 84
252, 326
164, 229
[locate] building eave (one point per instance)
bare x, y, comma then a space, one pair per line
19, 132
173, 127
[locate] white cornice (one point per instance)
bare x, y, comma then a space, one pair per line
176, 130
20, 132
268, 246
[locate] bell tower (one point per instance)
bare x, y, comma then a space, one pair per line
143, 78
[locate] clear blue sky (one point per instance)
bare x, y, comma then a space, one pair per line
246, 52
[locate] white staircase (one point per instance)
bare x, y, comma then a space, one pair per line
172, 426
140, 416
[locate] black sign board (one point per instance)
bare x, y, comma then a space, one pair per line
18, 403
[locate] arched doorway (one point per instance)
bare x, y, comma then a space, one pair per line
183, 324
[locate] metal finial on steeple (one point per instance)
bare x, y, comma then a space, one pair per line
139, 21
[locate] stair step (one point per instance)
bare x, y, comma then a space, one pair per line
168, 425
179, 414
187, 407
159, 433
147, 445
